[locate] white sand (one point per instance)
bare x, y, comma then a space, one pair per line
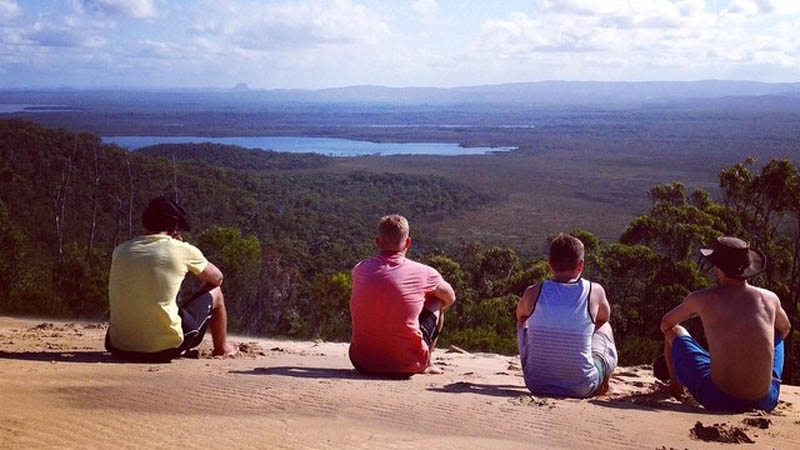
58, 390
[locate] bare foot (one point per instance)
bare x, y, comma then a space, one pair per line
604, 388
677, 390
227, 352
432, 370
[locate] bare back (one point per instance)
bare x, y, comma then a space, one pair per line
739, 322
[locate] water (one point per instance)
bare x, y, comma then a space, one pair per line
324, 146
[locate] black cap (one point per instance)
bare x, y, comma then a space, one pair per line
163, 214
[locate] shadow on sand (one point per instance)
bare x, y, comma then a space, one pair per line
465, 387
66, 356
314, 372
657, 400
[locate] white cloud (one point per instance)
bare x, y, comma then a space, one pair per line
320, 43
581, 7
650, 36
134, 9
427, 9
292, 26
46, 34
689, 8
9, 9
763, 7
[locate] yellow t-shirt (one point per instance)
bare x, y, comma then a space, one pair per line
146, 275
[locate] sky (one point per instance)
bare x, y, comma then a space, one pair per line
315, 44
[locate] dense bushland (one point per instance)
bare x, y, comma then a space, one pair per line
66, 200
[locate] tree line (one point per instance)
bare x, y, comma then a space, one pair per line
286, 238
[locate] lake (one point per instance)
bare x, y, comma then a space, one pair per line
324, 146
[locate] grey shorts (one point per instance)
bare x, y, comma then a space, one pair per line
604, 353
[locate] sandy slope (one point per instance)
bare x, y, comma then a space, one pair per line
58, 390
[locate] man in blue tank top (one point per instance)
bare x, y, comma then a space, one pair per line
566, 344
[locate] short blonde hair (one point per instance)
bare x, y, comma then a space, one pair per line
392, 232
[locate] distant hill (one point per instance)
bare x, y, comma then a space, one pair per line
543, 93
557, 92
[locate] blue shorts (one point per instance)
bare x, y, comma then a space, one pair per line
693, 369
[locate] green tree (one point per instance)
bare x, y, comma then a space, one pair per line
330, 306
239, 259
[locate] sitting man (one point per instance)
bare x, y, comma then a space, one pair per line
146, 323
566, 344
745, 327
396, 307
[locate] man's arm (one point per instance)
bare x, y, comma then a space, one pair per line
526, 304
685, 311
603, 314
782, 323
445, 294
211, 275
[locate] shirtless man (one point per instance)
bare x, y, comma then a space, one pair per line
745, 327
396, 307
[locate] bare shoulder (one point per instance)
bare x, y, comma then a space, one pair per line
532, 291
598, 291
701, 295
766, 294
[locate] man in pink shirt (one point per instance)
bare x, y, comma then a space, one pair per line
396, 307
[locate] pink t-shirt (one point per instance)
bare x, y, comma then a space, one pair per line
387, 298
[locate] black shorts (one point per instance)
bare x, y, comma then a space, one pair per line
428, 324
195, 316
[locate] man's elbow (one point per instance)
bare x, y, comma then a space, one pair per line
449, 299
214, 277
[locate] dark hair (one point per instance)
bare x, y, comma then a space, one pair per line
566, 251
163, 214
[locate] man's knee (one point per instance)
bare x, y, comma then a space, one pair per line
606, 330
674, 332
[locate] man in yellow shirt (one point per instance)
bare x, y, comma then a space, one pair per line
146, 274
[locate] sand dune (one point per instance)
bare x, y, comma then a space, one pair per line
59, 390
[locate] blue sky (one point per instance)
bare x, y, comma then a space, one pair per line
328, 43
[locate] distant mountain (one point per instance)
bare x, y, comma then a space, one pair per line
555, 92
543, 93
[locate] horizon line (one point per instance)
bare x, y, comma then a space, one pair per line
244, 87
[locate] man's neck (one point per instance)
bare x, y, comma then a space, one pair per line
390, 253
566, 277
732, 282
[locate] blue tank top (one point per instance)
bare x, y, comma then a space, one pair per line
558, 340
